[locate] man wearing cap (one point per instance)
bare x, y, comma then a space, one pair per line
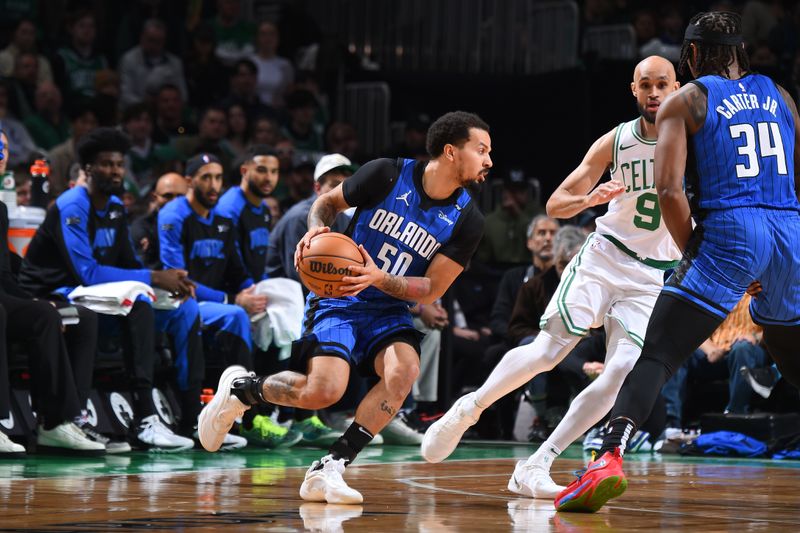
505, 238
245, 206
194, 236
331, 170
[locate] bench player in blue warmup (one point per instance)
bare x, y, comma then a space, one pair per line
420, 225
734, 135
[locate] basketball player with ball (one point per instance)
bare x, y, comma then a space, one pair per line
414, 230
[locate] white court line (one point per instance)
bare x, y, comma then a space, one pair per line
412, 483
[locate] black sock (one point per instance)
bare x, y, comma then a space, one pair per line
619, 431
303, 414
143, 403
248, 390
352, 442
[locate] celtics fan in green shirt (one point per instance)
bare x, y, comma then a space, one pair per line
613, 281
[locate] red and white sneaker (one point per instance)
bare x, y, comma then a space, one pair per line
602, 480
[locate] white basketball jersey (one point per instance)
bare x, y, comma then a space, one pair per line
633, 221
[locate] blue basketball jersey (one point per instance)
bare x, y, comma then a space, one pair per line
399, 234
744, 152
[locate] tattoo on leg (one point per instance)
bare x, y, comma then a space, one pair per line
280, 389
386, 408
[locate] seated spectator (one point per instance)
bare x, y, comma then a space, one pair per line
144, 155
233, 30
275, 73
48, 126
243, 91
22, 184
24, 40
107, 89
736, 343
23, 85
206, 76
505, 230
265, 131
238, 131
331, 170
144, 230
302, 129
541, 232
413, 144
21, 145
83, 119
211, 131
75, 65
299, 182
84, 240
149, 64
342, 138
172, 120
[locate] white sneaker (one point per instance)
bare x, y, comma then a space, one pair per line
157, 437
533, 481
324, 483
399, 432
444, 435
229, 442
67, 437
218, 416
9, 448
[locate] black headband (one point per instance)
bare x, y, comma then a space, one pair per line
696, 33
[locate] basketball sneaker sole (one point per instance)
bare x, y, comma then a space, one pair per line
589, 499
212, 437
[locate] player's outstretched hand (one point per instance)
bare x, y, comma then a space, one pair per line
305, 242
362, 276
605, 193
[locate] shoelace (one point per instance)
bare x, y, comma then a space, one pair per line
582, 471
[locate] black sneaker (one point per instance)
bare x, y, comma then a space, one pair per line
112, 446
762, 380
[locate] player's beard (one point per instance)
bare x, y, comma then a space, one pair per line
254, 189
648, 117
203, 199
107, 187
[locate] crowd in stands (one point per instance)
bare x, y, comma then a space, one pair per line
221, 138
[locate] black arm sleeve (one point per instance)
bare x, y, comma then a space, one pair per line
466, 236
371, 183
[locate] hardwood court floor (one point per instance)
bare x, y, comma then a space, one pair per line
257, 491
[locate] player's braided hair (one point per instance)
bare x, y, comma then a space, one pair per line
714, 58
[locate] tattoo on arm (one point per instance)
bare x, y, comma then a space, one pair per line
411, 288
697, 105
386, 408
280, 389
322, 213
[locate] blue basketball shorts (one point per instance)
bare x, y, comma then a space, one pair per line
352, 329
730, 249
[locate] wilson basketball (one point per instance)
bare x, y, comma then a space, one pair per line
326, 262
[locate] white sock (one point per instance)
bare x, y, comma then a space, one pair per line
471, 406
545, 455
520, 364
592, 404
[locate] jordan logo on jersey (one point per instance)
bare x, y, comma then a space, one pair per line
404, 197
409, 233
